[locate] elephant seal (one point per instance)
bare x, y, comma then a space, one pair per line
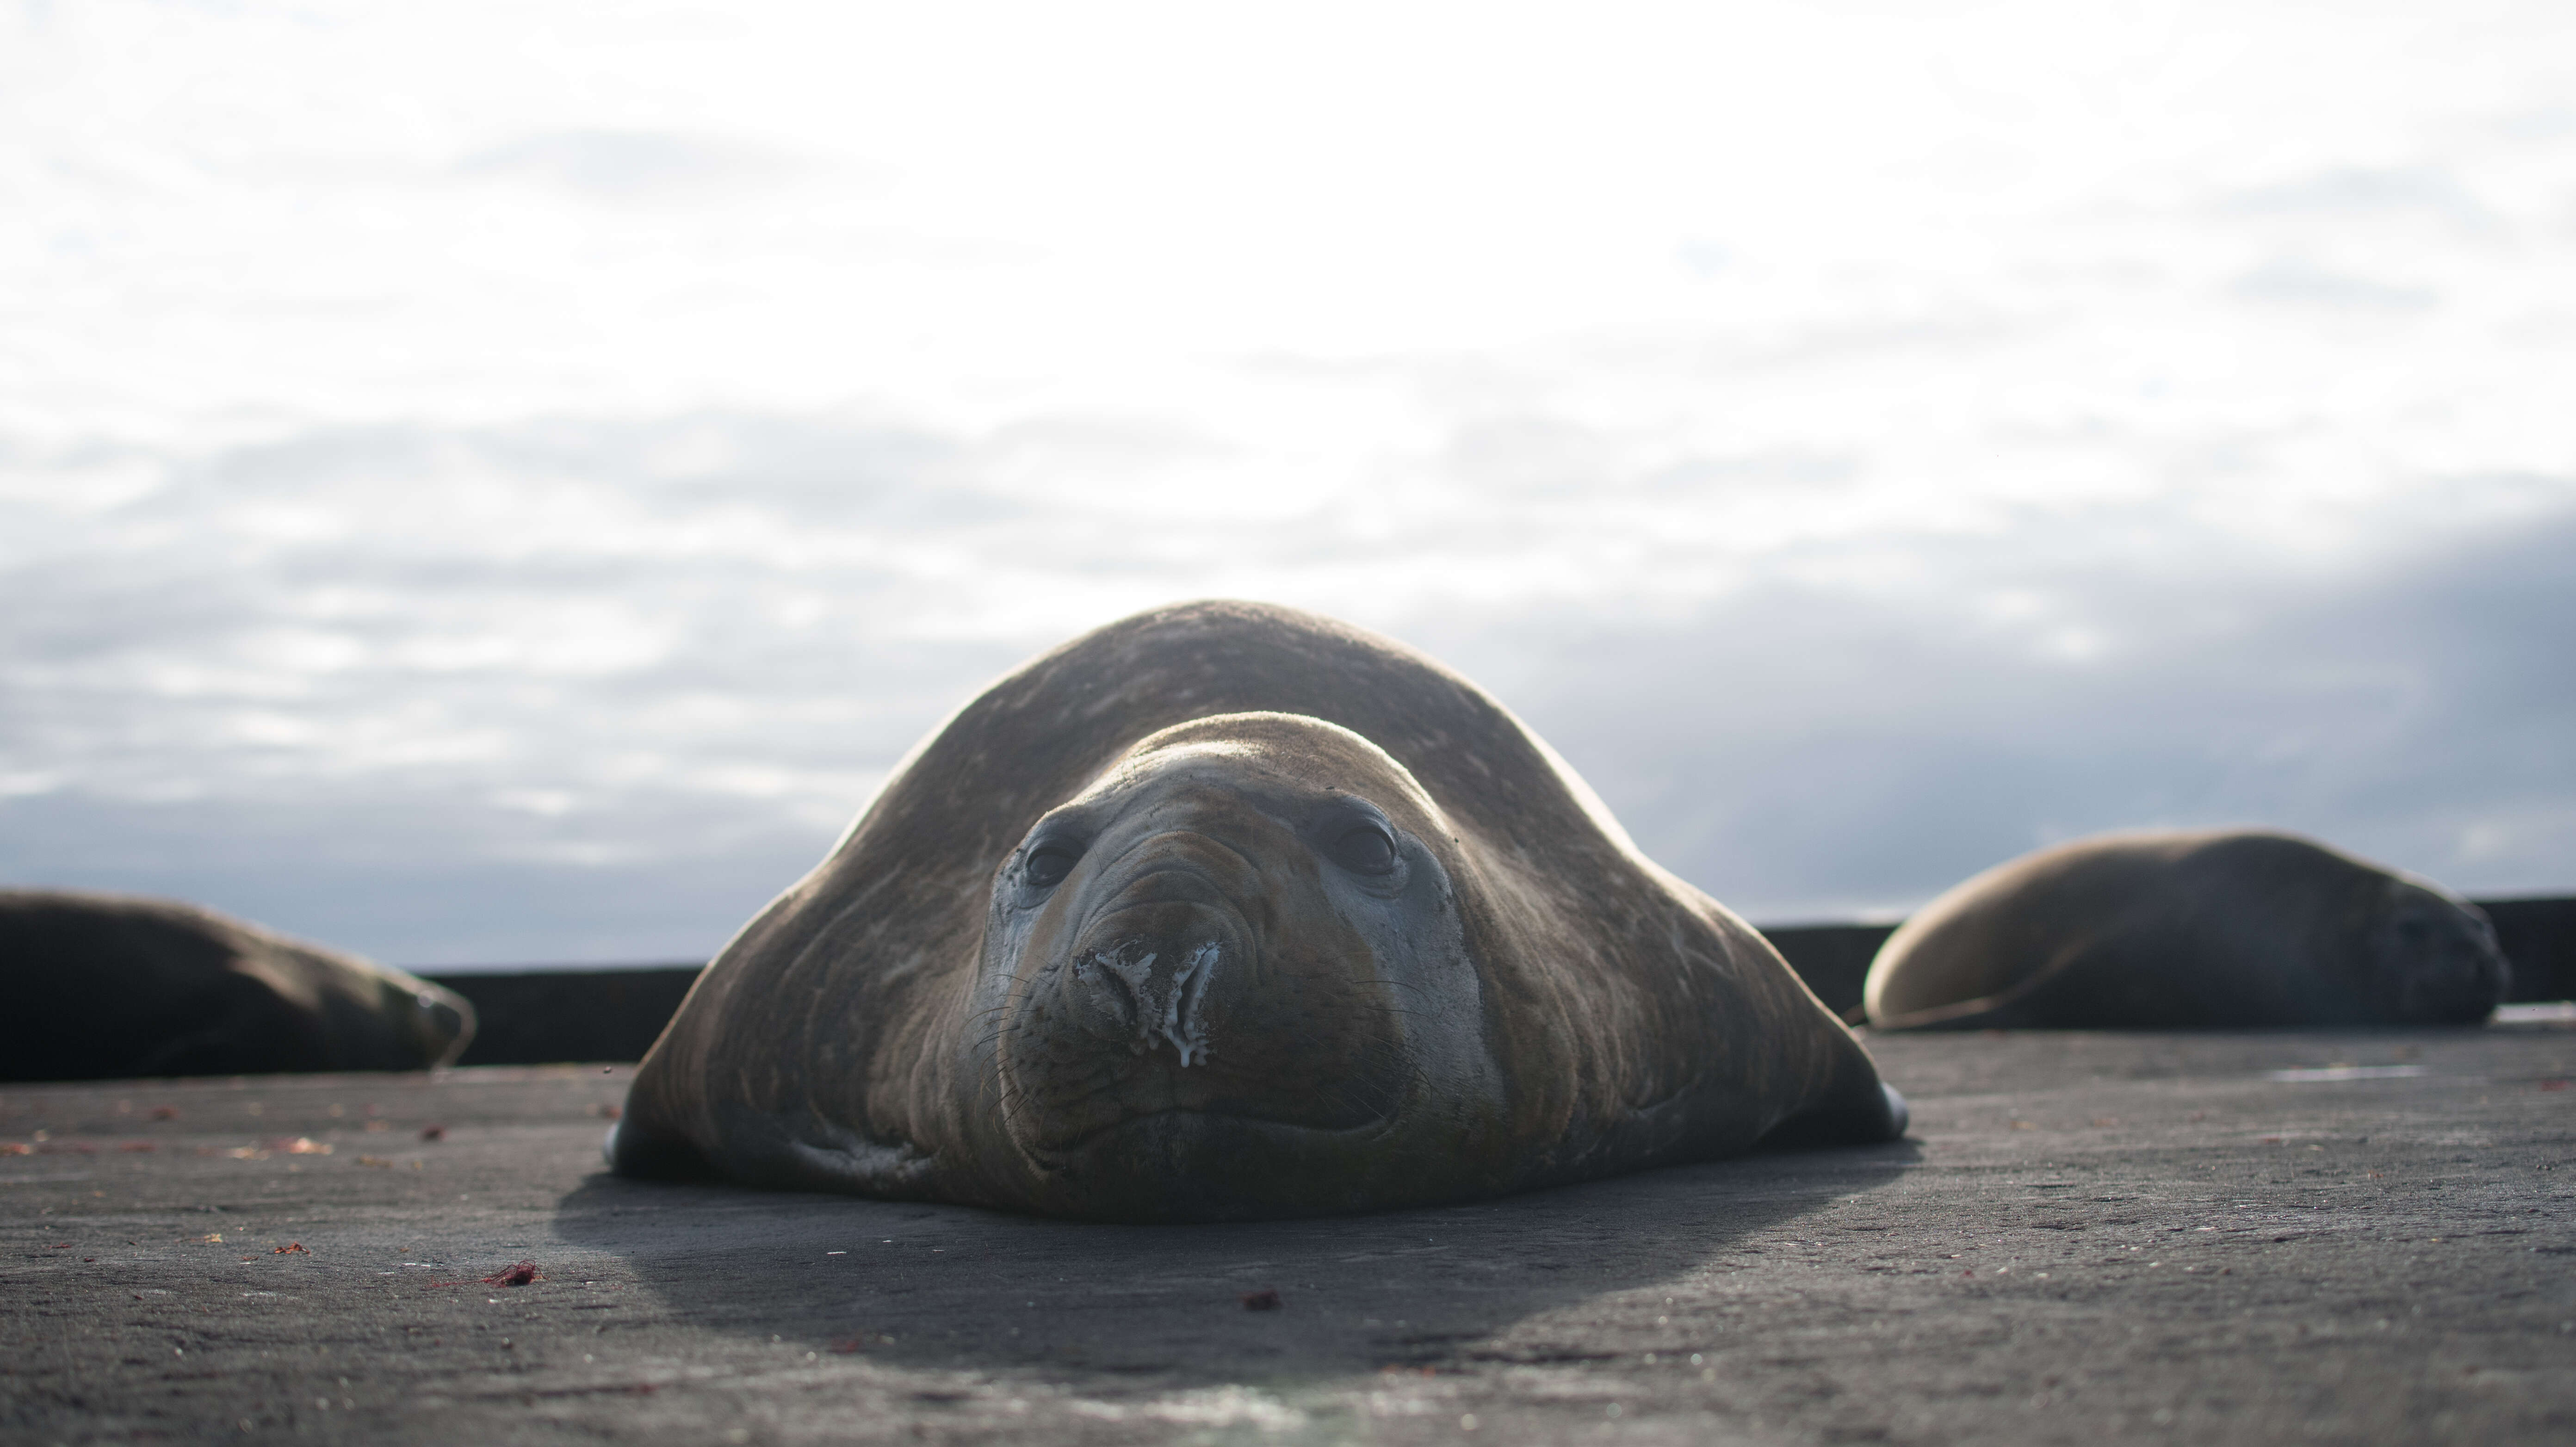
2184, 929
102, 986
1228, 911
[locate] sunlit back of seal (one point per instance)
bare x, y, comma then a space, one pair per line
2183, 929
1231, 911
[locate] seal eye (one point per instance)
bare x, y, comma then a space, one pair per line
1048, 864
1364, 849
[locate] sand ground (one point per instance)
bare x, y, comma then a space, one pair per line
2089, 1238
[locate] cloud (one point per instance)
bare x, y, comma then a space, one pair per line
1805, 753
501, 503
296, 675
2299, 282
2343, 193
621, 165
595, 688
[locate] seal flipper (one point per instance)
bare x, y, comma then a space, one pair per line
800, 1151
652, 1157
2041, 1001
1874, 1118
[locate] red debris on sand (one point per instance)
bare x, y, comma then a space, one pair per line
1266, 1299
16, 1148
608, 1112
2553, 1085
843, 1346
518, 1275
138, 1146
291, 1248
433, 1132
165, 1112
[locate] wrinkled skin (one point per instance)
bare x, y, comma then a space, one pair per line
107, 986
1228, 911
2199, 929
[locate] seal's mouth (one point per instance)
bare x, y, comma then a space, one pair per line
1069, 1154
1218, 1166
2464, 993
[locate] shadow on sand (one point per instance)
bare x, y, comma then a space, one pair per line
953, 1286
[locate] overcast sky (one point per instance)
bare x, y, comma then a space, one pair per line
485, 484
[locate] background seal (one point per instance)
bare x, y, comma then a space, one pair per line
103, 986
2179, 929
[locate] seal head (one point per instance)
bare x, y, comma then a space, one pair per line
2429, 957
1216, 975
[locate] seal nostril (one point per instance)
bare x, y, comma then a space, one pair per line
1181, 1022
1131, 978
1116, 980
1165, 1008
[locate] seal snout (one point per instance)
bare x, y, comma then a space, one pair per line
1147, 965
2444, 964
1158, 1004
2456, 982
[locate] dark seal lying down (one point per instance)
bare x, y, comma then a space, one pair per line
1231, 911
103, 986
2186, 929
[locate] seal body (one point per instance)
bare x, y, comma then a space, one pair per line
1230, 911
2184, 929
103, 986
